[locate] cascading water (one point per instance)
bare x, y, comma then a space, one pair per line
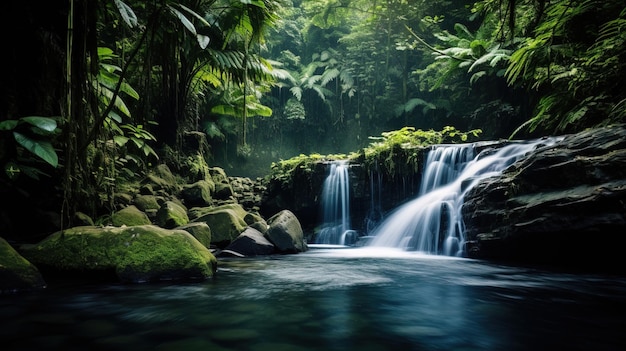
336, 207
432, 222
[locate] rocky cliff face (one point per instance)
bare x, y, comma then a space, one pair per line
563, 204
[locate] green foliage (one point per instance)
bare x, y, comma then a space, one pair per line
284, 170
411, 138
31, 133
234, 104
139, 138
575, 57
294, 109
390, 149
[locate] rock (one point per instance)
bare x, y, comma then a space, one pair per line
81, 218
226, 223
198, 194
252, 217
171, 215
260, 226
223, 191
163, 171
134, 254
249, 243
129, 216
219, 175
148, 202
286, 233
201, 231
17, 273
160, 179
555, 206
123, 199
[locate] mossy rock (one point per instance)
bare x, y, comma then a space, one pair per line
129, 216
81, 218
161, 178
164, 172
223, 191
200, 230
218, 175
198, 194
226, 222
148, 202
171, 215
135, 254
17, 273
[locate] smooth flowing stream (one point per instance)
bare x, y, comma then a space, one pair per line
342, 299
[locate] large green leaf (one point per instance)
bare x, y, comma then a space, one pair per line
40, 148
128, 15
45, 123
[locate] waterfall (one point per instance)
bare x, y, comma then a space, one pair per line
335, 204
432, 222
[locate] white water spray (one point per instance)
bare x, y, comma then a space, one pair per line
432, 223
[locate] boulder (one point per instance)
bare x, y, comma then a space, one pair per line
148, 202
226, 223
286, 233
223, 191
171, 215
201, 231
198, 194
249, 243
134, 254
160, 179
81, 218
218, 175
17, 273
129, 216
556, 205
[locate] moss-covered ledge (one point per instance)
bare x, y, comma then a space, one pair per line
16, 273
135, 254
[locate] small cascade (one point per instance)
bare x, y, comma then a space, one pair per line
432, 222
335, 203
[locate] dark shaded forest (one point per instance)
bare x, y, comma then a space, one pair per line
96, 92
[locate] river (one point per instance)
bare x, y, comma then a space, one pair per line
329, 299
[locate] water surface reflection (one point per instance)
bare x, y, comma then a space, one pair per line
365, 299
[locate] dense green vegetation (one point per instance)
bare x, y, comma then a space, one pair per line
95, 92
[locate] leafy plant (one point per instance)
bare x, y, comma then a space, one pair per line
32, 133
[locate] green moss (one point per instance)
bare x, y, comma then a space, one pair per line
226, 222
201, 231
395, 152
172, 215
136, 254
403, 145
16, 272
129, 216
284, 170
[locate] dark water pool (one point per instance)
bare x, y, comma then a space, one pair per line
351, 299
